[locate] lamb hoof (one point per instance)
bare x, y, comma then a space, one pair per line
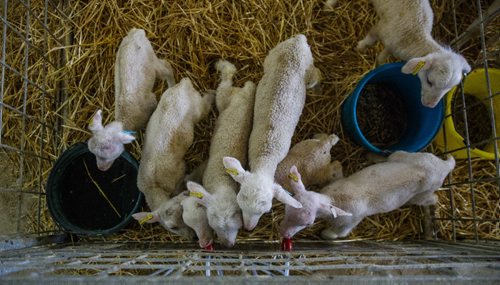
361, 46
225, 66
329, 5
329, 234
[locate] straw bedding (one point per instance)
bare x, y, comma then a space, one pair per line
192, 35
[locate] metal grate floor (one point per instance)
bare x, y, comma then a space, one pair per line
342, 262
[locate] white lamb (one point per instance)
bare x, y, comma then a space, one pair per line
313, 159
230, 138
195, 217
169, 134
136, 68
404, 179
279, 100
193, 213
107, 142
404, 27
314, 205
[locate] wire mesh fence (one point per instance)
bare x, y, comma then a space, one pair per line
40, 47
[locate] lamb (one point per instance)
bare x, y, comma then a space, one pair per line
195, 217
312, 158
404, 27
169, 134
313, 205
279, 100
404, 179
230, 137
107, 142
136, 68
193, 213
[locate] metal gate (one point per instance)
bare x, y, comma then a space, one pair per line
36, 37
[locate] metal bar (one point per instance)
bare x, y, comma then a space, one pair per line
479, 102
42, 131
470, 145
2, 78
266, 268
338, 280
467, 138
469, 158
448, 184
169, 272
51, 232
26, 40
487, 179
464, 246
66, 260
158, 272
44, 23
27, 242
23, 123
30, 153
368, 256
18, 73
473, 29
467, 219
207, 267
20, 113
220, 272
241, 265
472, 194
488, 87
182, 267
61, 13
451, 197
3, 190
61, 95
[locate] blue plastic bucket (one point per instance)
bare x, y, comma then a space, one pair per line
423, 123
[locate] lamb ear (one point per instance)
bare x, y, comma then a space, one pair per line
284, 197
327, 209
320, 136
125, 138
335, 211
415, 65
198, 191
295, 180
465, 65
146, 217
96, 124
334, 139
234, 168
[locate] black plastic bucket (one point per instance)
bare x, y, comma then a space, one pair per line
86, 201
